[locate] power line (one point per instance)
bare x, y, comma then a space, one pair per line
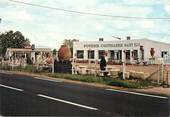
90, 13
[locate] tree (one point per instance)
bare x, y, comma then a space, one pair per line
12, 39
69, 42
54, 52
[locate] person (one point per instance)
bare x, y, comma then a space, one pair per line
103, 64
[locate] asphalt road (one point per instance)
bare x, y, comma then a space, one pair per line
27, 96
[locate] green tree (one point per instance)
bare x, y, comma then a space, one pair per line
12, 39
69, 42
54, 52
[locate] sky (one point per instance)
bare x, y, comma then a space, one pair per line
47, 27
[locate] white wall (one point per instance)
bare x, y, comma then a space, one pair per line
126, 45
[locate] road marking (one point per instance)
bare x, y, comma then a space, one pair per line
67, 102
135, 93
9, 87
48, 79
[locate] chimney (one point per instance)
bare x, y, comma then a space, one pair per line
128, 38
101, 39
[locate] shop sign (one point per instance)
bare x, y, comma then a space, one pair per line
111, 45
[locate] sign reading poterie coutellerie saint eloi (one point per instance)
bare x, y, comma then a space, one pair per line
111, 45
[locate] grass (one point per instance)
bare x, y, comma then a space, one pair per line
83, 78
104, 80
30, 68
4, 67
133, 83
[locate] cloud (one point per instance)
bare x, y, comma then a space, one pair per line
167, 8
23, 15
144, 2
51, 27
118, 10
17, 15
146, 24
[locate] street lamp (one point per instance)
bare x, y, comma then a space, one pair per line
116, 37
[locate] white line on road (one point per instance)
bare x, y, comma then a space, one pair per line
9, 87
67, 102
48, 79
135, 93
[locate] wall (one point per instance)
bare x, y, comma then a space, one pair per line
122, 45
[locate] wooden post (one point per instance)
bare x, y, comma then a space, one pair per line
52, 64
123, 63
158, 73
95, 69
162, 71
167, 75
73, 66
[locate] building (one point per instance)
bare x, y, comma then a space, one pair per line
133, 51
26, 55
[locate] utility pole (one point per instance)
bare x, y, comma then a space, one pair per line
123, 60
123, 64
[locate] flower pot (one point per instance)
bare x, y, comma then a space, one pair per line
152, 52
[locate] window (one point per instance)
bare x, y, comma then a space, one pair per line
127, 54
135, 54
90, 54
101, 53
118, 54
112, 54
164, 53
80, 54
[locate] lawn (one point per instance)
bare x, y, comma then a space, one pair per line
128, 83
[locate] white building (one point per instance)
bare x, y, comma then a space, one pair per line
132, 50
17, 55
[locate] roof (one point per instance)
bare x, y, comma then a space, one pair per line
144, 39
156, 41
43, 49
19, 49
29, 50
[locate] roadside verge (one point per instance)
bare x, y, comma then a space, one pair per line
153, 90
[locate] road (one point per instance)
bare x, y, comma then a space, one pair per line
22, 95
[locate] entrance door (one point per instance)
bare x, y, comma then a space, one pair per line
164, 53
127, 54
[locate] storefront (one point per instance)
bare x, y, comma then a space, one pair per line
27, 55
139, 50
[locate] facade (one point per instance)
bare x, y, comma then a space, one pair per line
24, 55
138, 50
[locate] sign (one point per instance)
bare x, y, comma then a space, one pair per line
111, 45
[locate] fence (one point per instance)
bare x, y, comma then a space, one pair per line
161, 75
167, 60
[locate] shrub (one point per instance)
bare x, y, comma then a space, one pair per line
84, 78
123, 83
105, 80
132, 83
5, 67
